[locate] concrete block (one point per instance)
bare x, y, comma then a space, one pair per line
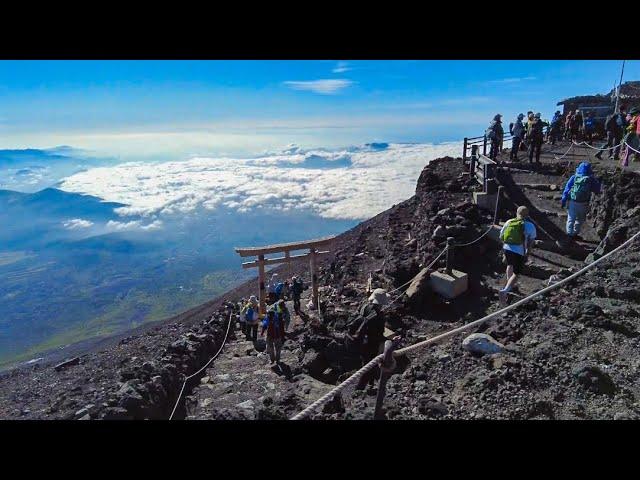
485, 201
449, 286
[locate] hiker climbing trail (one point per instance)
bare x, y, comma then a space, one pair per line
243, 381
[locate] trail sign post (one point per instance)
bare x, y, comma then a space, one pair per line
286, 248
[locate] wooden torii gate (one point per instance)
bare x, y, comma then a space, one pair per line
286, 248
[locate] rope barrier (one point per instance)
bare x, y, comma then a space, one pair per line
482, 320
326, 398
459, 245
202, 369
349, 381
565, 153
595, 148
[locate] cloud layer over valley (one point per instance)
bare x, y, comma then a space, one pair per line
353, 183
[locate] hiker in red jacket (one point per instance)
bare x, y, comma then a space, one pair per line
273, 324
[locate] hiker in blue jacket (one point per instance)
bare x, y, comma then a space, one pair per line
577, 192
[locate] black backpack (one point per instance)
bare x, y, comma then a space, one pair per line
358, 327
610, 122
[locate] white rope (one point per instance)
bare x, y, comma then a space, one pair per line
596, 148
565, 153
206, 365
349, 381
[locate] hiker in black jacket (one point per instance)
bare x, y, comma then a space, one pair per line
536, 137
615, 126
517, 131
368, 333
296, 292
495, 134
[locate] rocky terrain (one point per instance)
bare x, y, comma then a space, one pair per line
572, 354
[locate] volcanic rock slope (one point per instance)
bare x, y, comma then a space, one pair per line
570, 354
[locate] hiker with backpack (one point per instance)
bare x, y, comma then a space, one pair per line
577, 193
555, 130
517, 132
632, 137
614, 125
495, 134
283, 312
251, 314
517, 236
279, 290
536, 137
589, 127
366, 333
296, 291
273, 324
576, 126
567, 125
272, 296
240, 308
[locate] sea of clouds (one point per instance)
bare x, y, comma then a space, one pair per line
353, 183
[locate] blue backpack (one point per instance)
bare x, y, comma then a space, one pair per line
248, 314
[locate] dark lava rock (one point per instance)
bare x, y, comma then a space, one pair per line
67, 364
595, 380
116, 413
432, 408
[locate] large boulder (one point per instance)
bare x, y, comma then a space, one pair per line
482, 344
418, 289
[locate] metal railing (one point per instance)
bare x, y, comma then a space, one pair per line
469, 142
483, 169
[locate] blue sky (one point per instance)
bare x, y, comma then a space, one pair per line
174, 109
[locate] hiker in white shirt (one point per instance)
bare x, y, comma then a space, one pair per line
517, 234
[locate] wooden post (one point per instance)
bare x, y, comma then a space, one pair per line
314, 277
474, 159
464, 151
495, 215
449, 255
485, 177
386, 367
287, 255
263, 296
484, 145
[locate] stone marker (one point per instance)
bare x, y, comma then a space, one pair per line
482, 344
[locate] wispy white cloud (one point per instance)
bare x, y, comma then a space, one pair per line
323, 87
77, 224
116, 226
341, 67
511, 80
